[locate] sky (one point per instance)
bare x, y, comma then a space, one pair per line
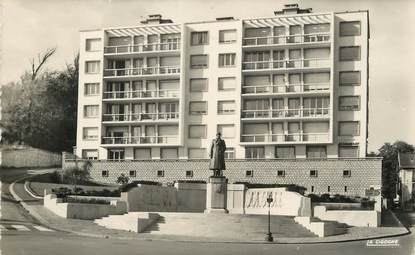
31, 26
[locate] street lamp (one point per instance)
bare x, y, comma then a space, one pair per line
269, 237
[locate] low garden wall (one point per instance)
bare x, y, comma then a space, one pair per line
357, 218
84, 211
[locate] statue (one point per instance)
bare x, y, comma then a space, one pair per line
217, 155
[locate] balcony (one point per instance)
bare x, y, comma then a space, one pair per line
131, 94
286, 138
126, 140
287, 39
286, 113
282, 89
286, 64
142, 71
140, 117
142, 48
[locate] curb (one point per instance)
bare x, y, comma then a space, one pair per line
29, 190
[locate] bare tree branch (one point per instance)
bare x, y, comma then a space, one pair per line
42, 58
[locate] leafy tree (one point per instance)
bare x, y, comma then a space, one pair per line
389, 153
77, 175
42, 113
122, 179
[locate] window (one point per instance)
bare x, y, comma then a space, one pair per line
227, 83
189, 173
160, 173
198, 107
229, 153
197, 131
90, 154
313, 173
198, 61
345, 188
91, 67
227, 60
196, 153
142, 153
328, 188
249, 173
227, 36
347, 173
349, 128
198, 85
200, 38
346, 151
91, 111
90, 133
312, 188
349, 103
116, 154
349, 28
226, 107
93, 44
350, 53
133, 173
226, 130
316, 152
254, 152
104, 173
281, 173
91, 89
349, 78
169, 153
285, 152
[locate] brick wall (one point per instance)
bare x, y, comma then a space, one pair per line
365, 173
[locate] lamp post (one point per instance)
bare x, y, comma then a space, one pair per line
269, 237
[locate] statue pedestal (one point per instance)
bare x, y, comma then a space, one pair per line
216, 195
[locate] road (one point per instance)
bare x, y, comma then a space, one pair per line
36, 240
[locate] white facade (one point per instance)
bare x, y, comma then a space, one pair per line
291, 85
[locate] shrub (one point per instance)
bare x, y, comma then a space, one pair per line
87, 201
122, 179
191, 181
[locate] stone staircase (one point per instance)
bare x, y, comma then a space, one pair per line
322, 228
226, 226
132, 221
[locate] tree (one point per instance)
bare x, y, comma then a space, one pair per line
76, 175
389, 153
43, 111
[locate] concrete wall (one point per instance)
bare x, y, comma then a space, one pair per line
81, 210
254, 201
183, 197
365, 173
29, 157
350, 217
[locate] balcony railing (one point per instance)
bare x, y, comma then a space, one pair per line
347, 139
141, 94
280, 138
286, 64
137, 48
141, 71
140, 116
286, 39
289, 88
172, 139
285, 113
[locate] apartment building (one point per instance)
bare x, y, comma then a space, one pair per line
292, 85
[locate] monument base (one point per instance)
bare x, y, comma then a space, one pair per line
216, 192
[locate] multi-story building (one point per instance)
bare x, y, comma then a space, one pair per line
294, 85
